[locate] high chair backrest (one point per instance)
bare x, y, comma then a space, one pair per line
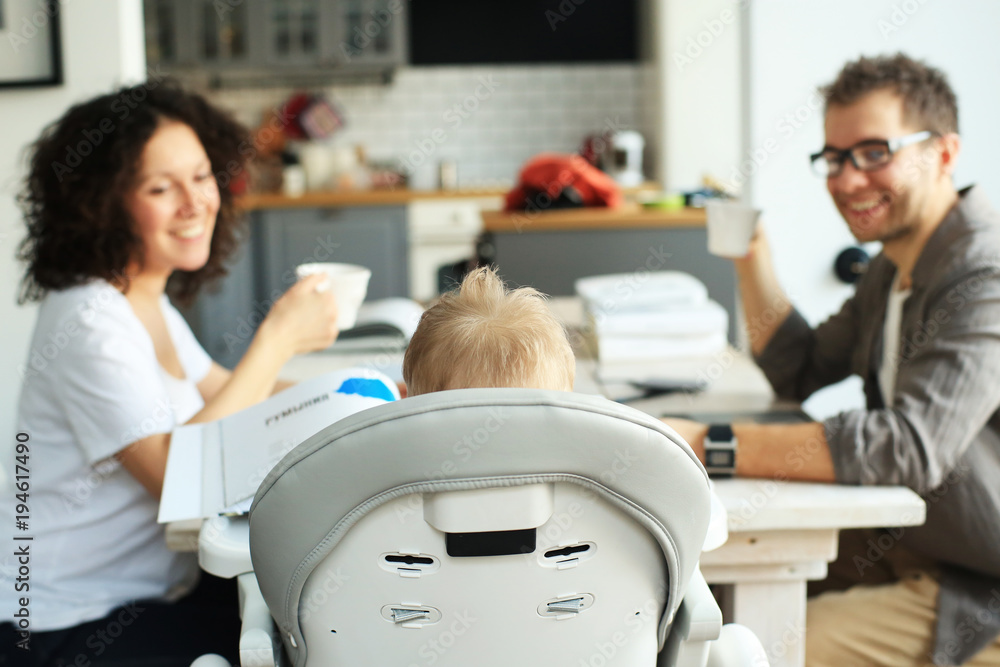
481, 527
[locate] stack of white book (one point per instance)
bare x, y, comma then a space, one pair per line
648, 318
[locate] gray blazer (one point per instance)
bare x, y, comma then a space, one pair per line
941, 435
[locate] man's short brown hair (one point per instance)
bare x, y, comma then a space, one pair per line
928, 100
485, 335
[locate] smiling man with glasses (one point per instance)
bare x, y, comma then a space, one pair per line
923, 332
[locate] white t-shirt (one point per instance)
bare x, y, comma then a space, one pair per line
92, 386
891, 334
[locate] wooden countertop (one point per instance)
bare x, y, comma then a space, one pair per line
629, 216
334, 198
397, 197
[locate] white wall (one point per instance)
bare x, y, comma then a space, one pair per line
101, 49
697, 89
792, 47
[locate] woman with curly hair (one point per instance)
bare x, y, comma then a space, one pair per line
127, 199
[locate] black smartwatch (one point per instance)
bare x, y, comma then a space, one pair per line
720, 451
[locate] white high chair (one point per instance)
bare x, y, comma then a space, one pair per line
488, 528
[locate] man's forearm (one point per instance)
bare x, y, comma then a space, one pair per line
765, 304
793, 451
786, 451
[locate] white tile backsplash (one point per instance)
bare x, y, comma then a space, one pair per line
495, 118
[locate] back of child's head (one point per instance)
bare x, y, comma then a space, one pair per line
485, 335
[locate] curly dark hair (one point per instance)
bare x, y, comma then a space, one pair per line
83, 166
927, 97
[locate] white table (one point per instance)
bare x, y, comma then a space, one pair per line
780, 534
783, 534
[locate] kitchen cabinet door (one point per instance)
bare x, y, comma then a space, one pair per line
272, 39
226, 35
370, 33
298, 33
225, 316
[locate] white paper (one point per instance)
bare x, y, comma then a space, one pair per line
393, 316
216, 467
182, 482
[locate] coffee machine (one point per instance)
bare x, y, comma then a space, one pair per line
622, 158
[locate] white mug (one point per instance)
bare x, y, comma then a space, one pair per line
730, 227
349, 283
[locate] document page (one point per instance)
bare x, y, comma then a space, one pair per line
255, 440
216, 467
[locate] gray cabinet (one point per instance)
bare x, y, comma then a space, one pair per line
551, 261
371, 32
371, 236
258, 37
225, 316
189, 34
225, 320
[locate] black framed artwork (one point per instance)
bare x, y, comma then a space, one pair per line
29, 41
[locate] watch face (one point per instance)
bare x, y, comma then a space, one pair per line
720, 458
720, 433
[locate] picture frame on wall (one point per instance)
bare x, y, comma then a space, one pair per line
30, 42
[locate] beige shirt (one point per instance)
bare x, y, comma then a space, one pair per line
891, 341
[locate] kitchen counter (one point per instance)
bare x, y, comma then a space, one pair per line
403, 196
336, 198
551, 250
626, 217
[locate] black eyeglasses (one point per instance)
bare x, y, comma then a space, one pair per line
867, 155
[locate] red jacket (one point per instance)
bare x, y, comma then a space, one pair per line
544, 177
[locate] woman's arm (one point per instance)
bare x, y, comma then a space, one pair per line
303, 320
218, 376
146, 460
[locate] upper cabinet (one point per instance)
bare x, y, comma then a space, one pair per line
293, 34
372, 32
275, 38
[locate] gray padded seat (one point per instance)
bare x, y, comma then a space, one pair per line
402, 535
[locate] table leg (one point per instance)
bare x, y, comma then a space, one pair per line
776, 612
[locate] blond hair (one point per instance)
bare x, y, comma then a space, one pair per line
485, 335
